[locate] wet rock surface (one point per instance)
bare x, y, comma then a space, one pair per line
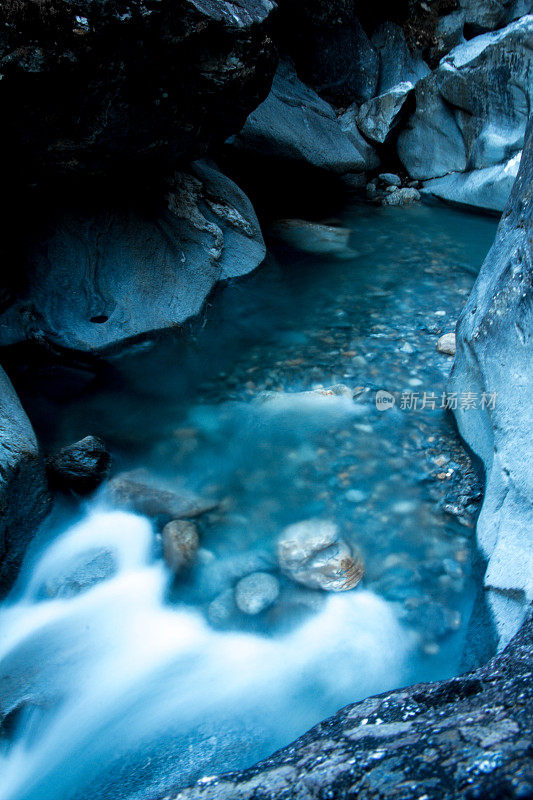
24, 500
140, 492
180, 544
81, 466
312, 553
494, 356
465, 737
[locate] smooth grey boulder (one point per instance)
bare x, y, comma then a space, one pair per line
295, 125
97, 280
398, 63
379, 118
471, 114
487, 188
349, 126
81, 466
494, 362
24, 499
482, 16
431, 145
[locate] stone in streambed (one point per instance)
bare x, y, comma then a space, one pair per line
81, 466
138, 491
401, 197
390, 179
255, 593
446, 344
180, 544
313, 237
313, 554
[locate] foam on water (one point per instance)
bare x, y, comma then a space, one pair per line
126, 672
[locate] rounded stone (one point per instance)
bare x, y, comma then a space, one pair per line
256, 593
313, 554
180, 544
447, 344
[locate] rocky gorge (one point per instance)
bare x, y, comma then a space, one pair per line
228, 236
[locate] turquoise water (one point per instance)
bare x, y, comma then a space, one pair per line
124, 682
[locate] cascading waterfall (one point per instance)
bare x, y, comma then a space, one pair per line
114, 671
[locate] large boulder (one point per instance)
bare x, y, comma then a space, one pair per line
95, 279
494, 364
471, 115
89, 87
295, 125
24, 499
379, 118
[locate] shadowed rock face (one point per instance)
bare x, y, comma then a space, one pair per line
330, 49
24, 498
95, 279
89, 87
468, 737
495, 356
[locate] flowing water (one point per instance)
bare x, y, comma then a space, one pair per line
120, 682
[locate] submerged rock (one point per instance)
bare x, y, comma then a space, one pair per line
257, 592
314, 554
24, 499
313, 237
494, 365
295, 125
81, 466
155, 269
139, 491
180, 544
446, 344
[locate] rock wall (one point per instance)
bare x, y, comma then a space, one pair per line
24, 500
495, 360
112, 86
458, 129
